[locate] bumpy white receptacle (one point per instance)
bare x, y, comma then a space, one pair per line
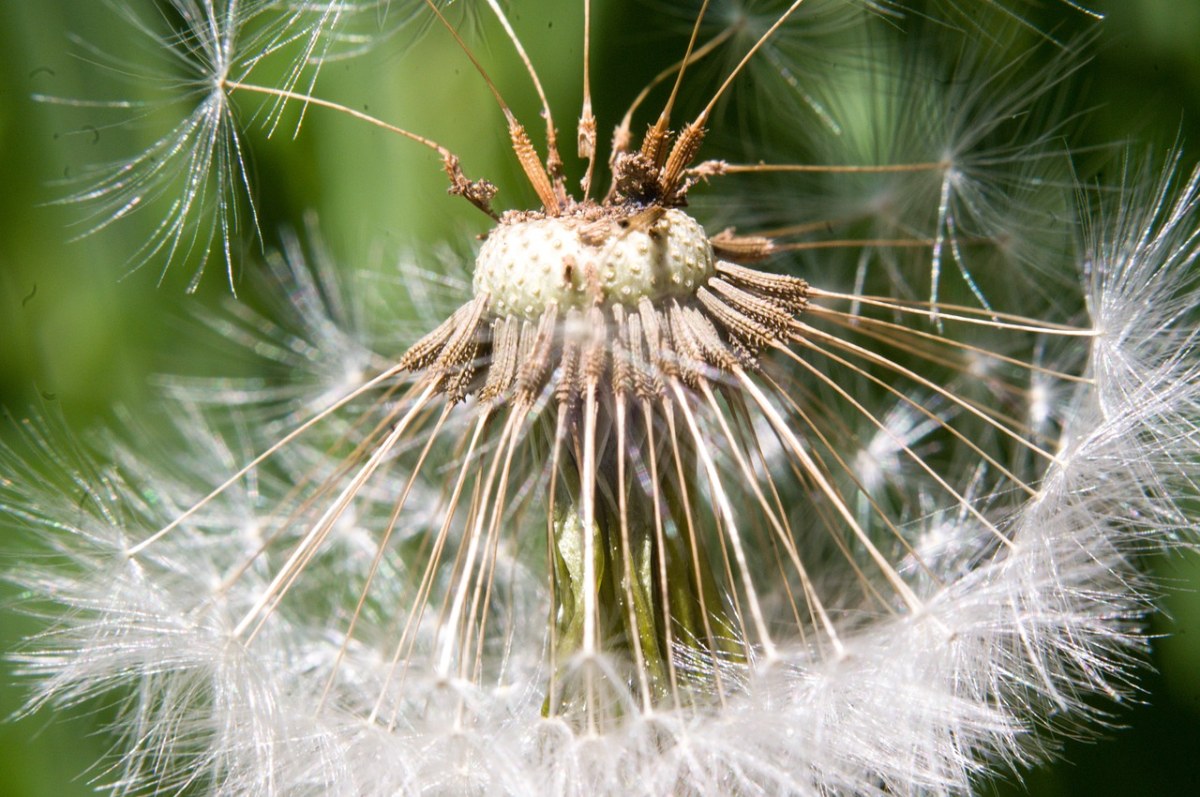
579, 262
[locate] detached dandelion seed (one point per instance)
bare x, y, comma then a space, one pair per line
644, 513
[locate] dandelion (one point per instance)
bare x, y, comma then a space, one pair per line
664, 504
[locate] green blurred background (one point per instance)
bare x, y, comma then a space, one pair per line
76, 339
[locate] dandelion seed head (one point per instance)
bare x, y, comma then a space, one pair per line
580, 261
658, 506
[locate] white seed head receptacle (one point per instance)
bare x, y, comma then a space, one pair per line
578, 261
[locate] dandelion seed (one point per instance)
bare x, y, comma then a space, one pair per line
195, 176
643, 514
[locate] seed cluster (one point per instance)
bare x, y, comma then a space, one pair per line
675, 324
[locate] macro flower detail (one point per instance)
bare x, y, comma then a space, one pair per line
668, 500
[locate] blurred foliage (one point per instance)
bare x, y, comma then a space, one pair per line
77, 340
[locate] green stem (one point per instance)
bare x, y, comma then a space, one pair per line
634, 586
